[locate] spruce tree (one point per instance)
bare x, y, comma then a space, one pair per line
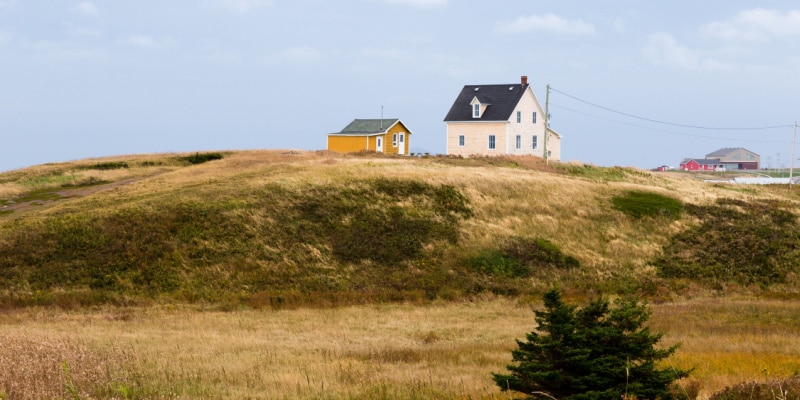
596, 352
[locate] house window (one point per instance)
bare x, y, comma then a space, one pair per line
534, 117
491, 142
460, 140
519, 142
476, 110
394, 140
535, 142
519, 117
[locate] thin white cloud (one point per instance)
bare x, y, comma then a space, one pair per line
550, 23
618, 25
241, 6
385, 54
419, 3
302, 54
87, 8
81, 31
757, 24
664, 50
146, 41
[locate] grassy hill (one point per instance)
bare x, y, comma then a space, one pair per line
285, 229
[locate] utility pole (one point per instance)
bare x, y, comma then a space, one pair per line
791, 164
546, 122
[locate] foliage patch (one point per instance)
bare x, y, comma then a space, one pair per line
325, 243
383, 220
199, 158
519, 257
647, 204
105, 166
593, 172
736, 241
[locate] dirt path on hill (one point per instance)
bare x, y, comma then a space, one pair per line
66, 193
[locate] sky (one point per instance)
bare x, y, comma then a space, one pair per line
633, 82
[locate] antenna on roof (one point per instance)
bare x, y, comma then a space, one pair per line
381, 118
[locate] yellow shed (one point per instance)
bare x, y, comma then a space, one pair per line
388, 136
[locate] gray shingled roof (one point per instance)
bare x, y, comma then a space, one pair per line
704, 161
502, 99
367, 126
724, 152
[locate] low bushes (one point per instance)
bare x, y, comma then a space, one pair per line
646, 204
199, 158
736, 241
519, 257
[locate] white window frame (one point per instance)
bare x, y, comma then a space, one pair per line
461, 140
519, 142
394, 140
534, 117
535, 142
476, 110
519, 117
492, 142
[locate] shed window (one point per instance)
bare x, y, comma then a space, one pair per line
394, 140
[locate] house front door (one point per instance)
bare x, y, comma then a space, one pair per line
401, 148
379, 144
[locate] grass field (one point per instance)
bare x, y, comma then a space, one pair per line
277, 275
438, 351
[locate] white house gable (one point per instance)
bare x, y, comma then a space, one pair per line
499, 119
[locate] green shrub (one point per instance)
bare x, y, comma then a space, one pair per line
108, 165
593, 172
519, 257
495, 262
538, 253
199, 158
736, 241
382, 220
646, 204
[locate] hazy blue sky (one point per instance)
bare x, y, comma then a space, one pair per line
95, 78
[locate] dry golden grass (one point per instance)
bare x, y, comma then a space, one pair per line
444, 351
517, 196
48, 366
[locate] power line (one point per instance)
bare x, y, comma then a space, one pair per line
670, 123
664, 130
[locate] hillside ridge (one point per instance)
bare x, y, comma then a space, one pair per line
285, 229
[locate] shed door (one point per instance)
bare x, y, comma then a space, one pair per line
379, 144
401, 149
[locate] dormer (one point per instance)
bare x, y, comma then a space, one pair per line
478, 106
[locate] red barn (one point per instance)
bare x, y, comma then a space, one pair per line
702, 164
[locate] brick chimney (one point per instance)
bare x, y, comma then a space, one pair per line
524, 80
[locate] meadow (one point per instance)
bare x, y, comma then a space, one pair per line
282, 275
387, 351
